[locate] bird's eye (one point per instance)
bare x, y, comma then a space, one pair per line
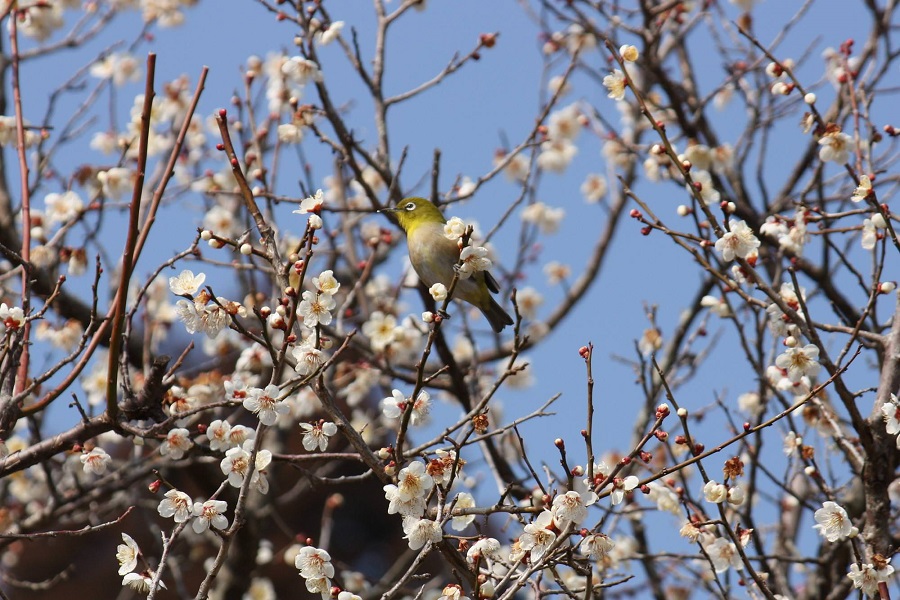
410, 206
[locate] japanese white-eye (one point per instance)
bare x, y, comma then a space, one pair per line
434, 257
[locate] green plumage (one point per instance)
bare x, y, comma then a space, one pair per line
434, 256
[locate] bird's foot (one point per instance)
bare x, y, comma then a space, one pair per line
443, 313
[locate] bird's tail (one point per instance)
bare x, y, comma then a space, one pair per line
496, 316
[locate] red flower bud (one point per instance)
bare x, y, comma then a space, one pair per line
488, 40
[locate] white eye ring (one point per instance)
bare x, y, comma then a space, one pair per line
410, 206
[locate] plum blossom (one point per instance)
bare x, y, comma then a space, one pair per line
455, 228
177, 442
739, 242
315, 308
176, 504
393, 407
596, 545
723, 554
833, 522
217, 434
799, 362
556, 155
186, 284
404, 506
326, 283
289, 133
835, 147
474, 259
314, 563
629, 53
209, 515
537, 537
438, 291
121, 67
319, 585
239, 434
863, 190
308, 357
312, 204
316, 436
11, 317
301, 70
64, 207
236, 465
869, 236
666, 499
715, 492
115, 182
622, 486
615, 84
571, 507
867, 577
421, 531
891, 413
792, 443
488, 548
704, 186
127, 554
140, 582
547, 218
198, 317
266, 404
463, 500
594, 188
381, 329
413, 481
95, 461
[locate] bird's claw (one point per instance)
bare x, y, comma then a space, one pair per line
443, 313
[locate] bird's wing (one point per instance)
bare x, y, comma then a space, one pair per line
491, 282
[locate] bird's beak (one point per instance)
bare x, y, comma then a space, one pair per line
388, 209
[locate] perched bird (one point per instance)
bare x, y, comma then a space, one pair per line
433, 255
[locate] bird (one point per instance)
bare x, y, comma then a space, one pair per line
434, 257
